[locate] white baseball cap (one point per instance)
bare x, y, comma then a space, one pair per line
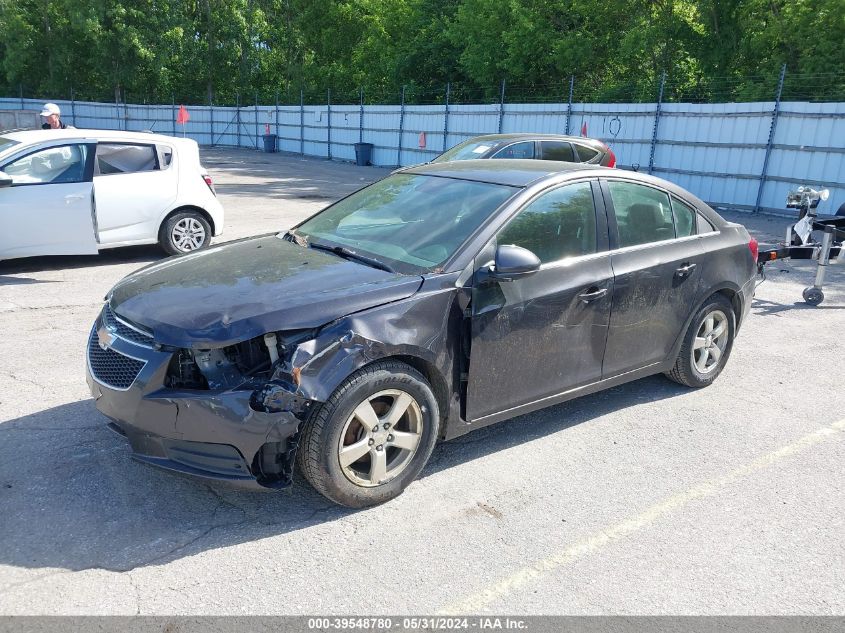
50, 108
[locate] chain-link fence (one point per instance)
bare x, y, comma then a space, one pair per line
736, 142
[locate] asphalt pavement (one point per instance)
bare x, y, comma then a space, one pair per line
649, 498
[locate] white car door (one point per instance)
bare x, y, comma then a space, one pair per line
48, 208
132, 188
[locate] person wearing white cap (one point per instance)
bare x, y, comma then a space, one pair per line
52, 114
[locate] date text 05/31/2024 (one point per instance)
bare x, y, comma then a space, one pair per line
416, 624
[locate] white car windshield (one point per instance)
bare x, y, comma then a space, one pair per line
6, 144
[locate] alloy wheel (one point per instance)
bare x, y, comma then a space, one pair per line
380, 438
710, 342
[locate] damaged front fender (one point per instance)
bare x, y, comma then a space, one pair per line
423, 332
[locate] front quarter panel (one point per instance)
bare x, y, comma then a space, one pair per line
423, 329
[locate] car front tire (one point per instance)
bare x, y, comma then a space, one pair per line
372, 437
184, 232
707, 344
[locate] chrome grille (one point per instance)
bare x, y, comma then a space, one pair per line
119, 327
112, 368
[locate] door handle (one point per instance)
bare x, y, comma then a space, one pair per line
685, 270
74, 198
592, 294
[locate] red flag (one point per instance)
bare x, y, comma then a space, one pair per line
183, 117
584, 129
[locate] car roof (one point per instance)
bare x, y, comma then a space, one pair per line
38, 136
526, 172
513, 136
511, 172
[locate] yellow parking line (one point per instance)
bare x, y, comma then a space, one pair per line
476, 602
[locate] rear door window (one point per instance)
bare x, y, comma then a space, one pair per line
117, 158
684, 218
585, 154
643, 214
557, 150
524, 149
704, 225
165, 156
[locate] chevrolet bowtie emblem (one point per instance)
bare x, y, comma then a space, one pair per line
104, 338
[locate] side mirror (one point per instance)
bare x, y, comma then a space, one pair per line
512, 262
5, 179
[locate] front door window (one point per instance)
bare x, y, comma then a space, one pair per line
557, 225
62, 164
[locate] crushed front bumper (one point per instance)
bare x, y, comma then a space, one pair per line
210, 434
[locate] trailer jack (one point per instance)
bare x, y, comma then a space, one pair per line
800, 243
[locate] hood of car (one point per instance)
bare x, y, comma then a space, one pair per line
240, 290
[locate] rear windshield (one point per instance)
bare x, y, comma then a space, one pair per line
412, 223
467, 151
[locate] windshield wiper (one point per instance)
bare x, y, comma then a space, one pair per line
346, 253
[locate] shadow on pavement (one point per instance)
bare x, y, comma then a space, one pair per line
762, 307
125, 255
81, 502
22, 281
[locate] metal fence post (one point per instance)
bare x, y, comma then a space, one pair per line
256, 120
73, 107
361, 119
211, 116
656, 122
773, 126
446, 116
238, 116
302, 122
569, 104
502, 106
401, 129
20, 91
277, 116
117, 109
173, 113
329, 122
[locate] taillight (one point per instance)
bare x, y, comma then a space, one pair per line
754, 247
611, 162
210, 183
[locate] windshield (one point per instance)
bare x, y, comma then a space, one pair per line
467, 151
411, 223
6, 143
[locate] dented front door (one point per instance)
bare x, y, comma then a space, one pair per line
541, 335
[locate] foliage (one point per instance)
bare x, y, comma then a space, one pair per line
196, 50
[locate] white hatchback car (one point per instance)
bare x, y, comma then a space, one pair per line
75, 192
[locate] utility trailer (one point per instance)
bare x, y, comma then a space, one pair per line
801, 244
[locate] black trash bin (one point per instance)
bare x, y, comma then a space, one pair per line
269, 143
363, 153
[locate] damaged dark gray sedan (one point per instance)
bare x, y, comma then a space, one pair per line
441, 299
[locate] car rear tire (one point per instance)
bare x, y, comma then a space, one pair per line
372, 437
184, 232
707, 344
